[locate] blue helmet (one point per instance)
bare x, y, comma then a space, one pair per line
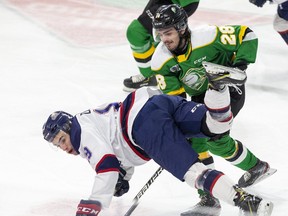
57, 121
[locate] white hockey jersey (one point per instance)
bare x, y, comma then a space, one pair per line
103, 136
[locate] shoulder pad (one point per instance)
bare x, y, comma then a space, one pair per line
160, 57
204, 35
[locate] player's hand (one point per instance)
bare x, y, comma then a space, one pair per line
121, 188
88, 208
122, 185
240, 65
258, 3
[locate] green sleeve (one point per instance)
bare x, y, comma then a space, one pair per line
247, 51
142, 45
184, 3
239, 40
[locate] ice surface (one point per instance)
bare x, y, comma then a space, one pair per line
43, 71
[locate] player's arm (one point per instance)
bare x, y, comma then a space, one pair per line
247, 50
149, 11
101, 196
241, 41
106, 166
190, 6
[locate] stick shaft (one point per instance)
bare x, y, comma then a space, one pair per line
142, 191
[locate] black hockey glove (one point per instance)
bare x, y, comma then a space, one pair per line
122, 185
240, 65
258, 3
88, 208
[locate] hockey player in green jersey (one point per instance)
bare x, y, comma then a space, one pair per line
178, 65
140, 37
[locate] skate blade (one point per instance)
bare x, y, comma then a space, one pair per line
234, 73
203, 212
269, 173
265, 208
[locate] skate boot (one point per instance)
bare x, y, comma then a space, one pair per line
138, 81
256, 174
208, 206
219, 75
251, 205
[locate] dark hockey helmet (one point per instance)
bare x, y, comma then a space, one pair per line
167, 16
57, 121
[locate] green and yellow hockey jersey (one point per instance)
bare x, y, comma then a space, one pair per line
225, 45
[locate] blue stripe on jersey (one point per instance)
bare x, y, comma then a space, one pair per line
75, 134
211, 179
115, 105
124, 115
108, 163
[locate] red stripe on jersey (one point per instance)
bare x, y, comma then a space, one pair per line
134, 148
214, 182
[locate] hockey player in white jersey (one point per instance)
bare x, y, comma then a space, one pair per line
116, 137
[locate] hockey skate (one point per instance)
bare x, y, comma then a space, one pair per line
256, 174
251, 205
208, 206
219, 75
138, 81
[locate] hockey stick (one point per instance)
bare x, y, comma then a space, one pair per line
142, 191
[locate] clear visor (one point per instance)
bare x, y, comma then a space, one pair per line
156, 36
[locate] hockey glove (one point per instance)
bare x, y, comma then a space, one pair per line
122, 185
88, 208
258, 3
240, 65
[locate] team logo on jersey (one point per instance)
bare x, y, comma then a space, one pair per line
175, 68
194, 78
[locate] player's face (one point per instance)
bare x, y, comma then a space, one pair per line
62, 140
170, 37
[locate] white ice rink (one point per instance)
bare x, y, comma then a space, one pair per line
41, 72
